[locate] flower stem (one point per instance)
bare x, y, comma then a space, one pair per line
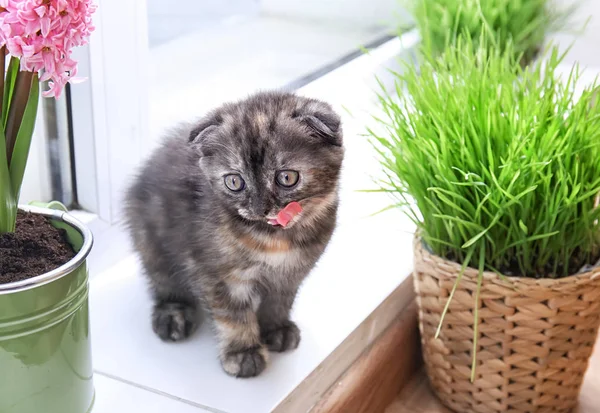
16, 110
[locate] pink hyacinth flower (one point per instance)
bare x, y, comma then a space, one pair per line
42, 33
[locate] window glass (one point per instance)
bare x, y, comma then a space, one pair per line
205, 52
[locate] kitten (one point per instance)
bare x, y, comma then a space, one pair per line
208, 215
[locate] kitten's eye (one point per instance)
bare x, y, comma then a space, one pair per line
287, 179
234, 182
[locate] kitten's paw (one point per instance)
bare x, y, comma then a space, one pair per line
174, 321
246, 363
284, 338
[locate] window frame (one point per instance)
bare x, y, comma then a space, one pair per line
110, 110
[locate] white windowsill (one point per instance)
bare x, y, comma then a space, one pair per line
368, 258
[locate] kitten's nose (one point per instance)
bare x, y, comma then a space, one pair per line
261, 209
264, 211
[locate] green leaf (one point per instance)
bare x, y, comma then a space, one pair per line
476, 312
523, 227
9, 87
456, 283
487, 156
387, 208
23, 142
474, 239
8, 204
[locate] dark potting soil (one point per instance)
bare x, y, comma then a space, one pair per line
35, 248
576, 262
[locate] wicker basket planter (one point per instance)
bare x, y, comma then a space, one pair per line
534, 337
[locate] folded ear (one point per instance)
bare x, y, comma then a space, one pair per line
322, 122
202, 130
201, 134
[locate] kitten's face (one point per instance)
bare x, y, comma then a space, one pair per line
264, 153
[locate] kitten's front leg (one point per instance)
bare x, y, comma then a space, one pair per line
241, 351
278, 332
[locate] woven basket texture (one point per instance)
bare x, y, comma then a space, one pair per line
534, 337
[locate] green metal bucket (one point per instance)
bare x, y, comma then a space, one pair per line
45, 351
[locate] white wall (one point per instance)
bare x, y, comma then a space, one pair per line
111, 108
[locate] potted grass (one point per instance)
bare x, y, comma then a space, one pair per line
525, 23
45, 358
499, 168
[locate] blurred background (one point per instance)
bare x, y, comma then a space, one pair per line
151, 64
235, 47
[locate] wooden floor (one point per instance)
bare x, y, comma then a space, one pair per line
417, 396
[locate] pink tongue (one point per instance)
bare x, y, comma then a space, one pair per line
288, 213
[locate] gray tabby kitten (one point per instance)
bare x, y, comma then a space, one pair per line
205, 215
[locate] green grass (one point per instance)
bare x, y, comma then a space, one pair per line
498, 167
523, 22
